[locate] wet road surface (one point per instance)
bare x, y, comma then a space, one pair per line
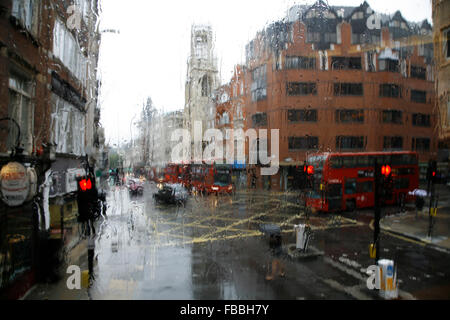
212, 249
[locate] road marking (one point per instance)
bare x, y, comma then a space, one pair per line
353, 291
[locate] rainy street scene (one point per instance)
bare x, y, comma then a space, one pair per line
242, 150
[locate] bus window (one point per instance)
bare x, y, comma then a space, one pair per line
380, 160
336, 162
349, 162
362, 161
350, 186
364, 187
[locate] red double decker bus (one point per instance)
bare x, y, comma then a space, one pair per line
345, 181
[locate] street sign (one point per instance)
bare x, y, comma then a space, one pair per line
14, 184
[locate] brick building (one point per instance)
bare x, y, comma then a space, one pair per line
441, 39
48, 85
341, 79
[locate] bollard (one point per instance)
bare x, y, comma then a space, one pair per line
388, 279
302, 232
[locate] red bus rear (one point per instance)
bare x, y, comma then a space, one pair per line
345, 181
218, 179
171, 173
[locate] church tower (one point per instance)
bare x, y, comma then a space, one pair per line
201, 81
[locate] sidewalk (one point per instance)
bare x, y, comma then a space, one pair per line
416, 227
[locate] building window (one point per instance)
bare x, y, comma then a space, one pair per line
301, 88
21, 109
421, 120
418, 72
350, 142
259, 85
330, 37
350, 116
420, 144
446, 43
390, 90
300, 63
365, 38
67, 50
348, 89
393, 143
259, 119
389, 65
302, 115
392, 116
313, 37
303, 143
418, 96
26, 12
67, 127
345, 63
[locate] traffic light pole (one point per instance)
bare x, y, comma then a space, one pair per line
430, 216
376, 225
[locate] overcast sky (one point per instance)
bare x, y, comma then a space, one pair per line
149, 55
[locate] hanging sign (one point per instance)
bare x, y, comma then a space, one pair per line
14, 184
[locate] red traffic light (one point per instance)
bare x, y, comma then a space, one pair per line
310, 170
434, 173
386, 170
85, 184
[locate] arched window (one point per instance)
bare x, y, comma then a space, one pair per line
206, 91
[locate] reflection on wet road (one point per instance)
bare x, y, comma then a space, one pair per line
212, 249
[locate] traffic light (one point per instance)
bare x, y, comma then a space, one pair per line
386, 170
387, 185
308, 171
85, 184
87, 197
432, 171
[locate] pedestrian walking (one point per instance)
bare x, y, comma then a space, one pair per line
276, 267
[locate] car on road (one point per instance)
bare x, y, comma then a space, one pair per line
174, 193
135, 187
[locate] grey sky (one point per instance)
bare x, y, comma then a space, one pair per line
148, 57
